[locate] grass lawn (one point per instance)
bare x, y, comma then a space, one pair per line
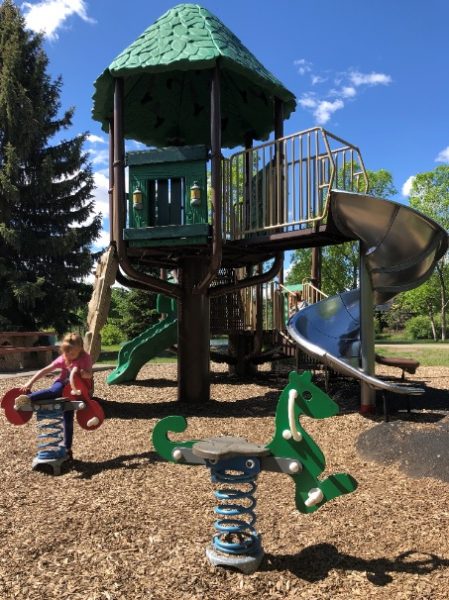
428, 357
109, 355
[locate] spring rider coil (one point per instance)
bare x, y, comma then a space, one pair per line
235, 463
51, 453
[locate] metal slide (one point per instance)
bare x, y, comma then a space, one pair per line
401, 247
138, 351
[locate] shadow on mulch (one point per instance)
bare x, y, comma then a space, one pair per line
430, 407
87, 470
314, 563
262, 379
258, 406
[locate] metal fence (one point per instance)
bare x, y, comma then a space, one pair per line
284, 185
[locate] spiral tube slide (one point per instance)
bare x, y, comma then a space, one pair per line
401, 247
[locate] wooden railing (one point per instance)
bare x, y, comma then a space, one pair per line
284, 185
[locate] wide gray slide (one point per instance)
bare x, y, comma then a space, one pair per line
401, 247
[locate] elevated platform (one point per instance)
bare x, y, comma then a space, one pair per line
149, 245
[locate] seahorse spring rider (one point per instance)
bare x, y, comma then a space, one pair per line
235, 463
51, 454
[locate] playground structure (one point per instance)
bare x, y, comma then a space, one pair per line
188, 87
235, 463
51, 453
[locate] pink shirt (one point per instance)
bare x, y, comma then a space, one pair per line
83, 361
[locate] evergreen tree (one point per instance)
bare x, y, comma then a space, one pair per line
139, 312
46, 203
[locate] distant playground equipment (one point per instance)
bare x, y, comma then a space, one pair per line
235, 463
150, 343
188, 88
51, 453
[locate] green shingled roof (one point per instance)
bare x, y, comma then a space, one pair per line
167, 83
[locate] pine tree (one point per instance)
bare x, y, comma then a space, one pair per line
46, 203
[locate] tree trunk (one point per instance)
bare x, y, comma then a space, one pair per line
434, 329
443, 301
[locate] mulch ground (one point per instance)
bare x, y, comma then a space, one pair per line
123, 524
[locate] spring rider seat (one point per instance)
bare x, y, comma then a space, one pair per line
235, 463
51, 453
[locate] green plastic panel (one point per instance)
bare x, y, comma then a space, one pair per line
137, 352
166, 71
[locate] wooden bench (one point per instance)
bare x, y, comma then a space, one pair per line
406, 364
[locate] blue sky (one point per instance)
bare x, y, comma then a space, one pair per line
373, 73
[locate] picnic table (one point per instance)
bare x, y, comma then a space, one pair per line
22, 350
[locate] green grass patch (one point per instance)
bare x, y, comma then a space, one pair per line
109, 356
428, 357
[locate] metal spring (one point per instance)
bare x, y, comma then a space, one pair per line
50, 423
235, 527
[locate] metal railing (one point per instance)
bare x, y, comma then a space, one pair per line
284, 185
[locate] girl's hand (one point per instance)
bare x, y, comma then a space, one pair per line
25, 388
85, 374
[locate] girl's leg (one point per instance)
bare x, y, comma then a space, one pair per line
68, 429
55, 391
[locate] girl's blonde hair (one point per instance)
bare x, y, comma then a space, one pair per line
72, 340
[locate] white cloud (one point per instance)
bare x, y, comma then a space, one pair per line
373, 78
443, 156
322, 109
303, 66
326, 109
348, 91
308, 101
102, 241
95, 139
322, 102
315, 79
407, 186
47, 16
99, 157
138, 145
101, 194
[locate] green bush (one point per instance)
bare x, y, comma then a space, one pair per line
111, 335
419, 328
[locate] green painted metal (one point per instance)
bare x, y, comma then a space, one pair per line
187, 164
167, 155
310, 401
135, 353
176, 235
166, 73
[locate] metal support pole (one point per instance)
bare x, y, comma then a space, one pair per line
193, 335
216, 185
279, 133
367, 393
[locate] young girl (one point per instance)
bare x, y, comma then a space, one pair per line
72, 355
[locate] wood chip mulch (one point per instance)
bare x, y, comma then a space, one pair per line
123, 524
